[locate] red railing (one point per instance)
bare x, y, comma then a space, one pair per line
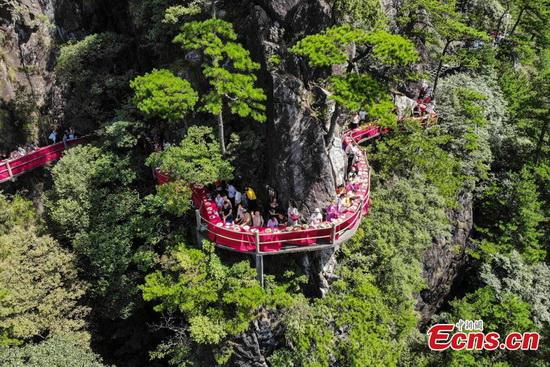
263, 240
11, 168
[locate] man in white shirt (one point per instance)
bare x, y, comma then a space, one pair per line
231, 192
238, 197
53, 137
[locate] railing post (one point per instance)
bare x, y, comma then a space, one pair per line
260, 269
259, 260
333, 233
257, 240
9, 169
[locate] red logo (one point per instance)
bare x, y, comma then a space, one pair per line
470, 336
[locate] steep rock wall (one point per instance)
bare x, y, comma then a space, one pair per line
26, 44
301, 168
446, 259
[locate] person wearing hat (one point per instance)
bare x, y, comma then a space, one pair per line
251, 198
316, 217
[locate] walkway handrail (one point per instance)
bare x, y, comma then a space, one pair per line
11, 168
252, 240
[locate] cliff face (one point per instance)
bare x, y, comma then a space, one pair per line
25, 60
446, 259
301, 168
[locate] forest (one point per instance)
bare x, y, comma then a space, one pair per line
139, 107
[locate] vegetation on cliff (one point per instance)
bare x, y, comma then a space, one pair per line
104, 268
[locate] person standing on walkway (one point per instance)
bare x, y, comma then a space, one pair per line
251, 198
53, 136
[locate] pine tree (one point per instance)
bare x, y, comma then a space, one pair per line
229, 70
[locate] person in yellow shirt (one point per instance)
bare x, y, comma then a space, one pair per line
251, 198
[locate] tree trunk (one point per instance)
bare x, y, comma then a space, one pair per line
439, 66
499, 24
540, 143
517, 21
221, 133
332, 128
213, 9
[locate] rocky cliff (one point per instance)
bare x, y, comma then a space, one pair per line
26, 40
299, 165
301, 168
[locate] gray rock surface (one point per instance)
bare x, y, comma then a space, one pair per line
446, 259
300, 166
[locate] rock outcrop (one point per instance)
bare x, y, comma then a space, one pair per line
446, 259
301, 168
25, 59
259, 341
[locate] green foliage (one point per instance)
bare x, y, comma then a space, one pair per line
390, 49
368, 314
40, 289
473, 111
366, 14
512, 216
237, 90
161, 94
197, 159
530, 109
213, 301
407, 216
510, 274
446, 22
16, 212
55, 351
503, 314
235, 86
330, 47
173, 14
353, 326
378, 50
123, 135
89, 73
420, 152
362, 92
93, 205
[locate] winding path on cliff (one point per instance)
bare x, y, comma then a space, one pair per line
267, 241
10, 169
258, 241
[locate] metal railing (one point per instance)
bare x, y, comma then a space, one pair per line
17, 166
253, 241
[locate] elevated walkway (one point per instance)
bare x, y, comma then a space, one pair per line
10, 169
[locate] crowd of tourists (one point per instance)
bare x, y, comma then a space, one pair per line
22, 150
242, 207
19, 152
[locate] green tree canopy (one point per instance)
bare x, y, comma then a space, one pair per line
56, 351
378, 53
40, 290
197, 159
111, 227
330, 47
229, 69
161, 94
210, 301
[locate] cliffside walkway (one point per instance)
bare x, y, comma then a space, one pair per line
264, 241
11, 168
